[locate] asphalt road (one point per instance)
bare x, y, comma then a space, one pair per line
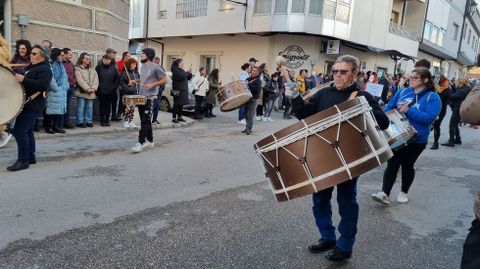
200, 200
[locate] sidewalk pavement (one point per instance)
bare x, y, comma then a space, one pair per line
164, 118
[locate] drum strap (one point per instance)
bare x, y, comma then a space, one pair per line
31, 97
353, 95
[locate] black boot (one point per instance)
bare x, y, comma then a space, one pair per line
458, 141
321, 246
18, 166
435, 145
337, 255
449, 143
58, 130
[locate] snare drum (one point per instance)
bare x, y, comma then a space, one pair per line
12, 96
323, 150
134, 100
233, 95
400, 132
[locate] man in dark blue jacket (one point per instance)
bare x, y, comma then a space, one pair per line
254, 84
36, 81
344, 73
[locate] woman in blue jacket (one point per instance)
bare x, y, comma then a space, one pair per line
421, 105
57, 94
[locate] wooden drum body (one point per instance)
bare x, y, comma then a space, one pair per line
400, 131
323, 150
470, 107
134, 100
12, 96
233, 95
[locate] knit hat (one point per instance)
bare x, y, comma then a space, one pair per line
150, 53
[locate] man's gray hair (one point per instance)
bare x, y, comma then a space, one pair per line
354, 61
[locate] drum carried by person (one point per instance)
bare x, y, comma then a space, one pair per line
233, 95
400, 132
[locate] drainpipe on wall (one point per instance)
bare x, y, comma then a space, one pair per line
147, 19
467, 5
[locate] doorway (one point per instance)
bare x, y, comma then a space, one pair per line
327, 69
209, 62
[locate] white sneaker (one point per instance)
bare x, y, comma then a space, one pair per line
4, 139
126, 125
149, 145
402, 198
381, 197
264, 119
132, 125
137, 148
258, 118
269, 119
242, 121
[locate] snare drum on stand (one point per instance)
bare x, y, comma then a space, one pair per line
12, 96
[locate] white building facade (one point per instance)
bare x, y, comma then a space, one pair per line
310, 34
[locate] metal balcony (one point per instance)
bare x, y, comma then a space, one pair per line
403, 31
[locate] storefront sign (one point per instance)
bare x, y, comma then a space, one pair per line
294, 56
333, 47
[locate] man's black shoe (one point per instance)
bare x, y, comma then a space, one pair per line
80, 125
287, 117
68, 126
33, 161
57, 130
115, 119
175, 121
323, 245
18, 166
107, 123
458, 141
449, 144
89, 125
434, 146
49, 131
244, 131
181, 119
337, 255
248, 132
212, 115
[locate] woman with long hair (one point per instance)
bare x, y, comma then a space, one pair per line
87, 85
21, 59
214, 84
129, 82
180, 79
443, 91
421, 105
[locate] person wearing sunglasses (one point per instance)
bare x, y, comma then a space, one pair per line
35, 80
421, 105
344, 85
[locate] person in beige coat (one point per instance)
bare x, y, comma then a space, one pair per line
87, 85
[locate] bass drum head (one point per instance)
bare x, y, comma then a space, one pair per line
12, 96
236, 102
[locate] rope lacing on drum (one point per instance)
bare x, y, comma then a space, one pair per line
336, 146
304, 159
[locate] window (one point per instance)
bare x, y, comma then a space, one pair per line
455, 31
315, 7
298, 6
395, 17
209, 62
434, 34
281, 6
329, 9
162, 10
343, 13
191, 8
263, 7
428, 29
441, 34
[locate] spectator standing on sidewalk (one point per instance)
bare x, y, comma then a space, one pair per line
244, 74
462, 89
214, 84
120, 66
161, 88
180, 79
130, 83
21, 59
70, 68
201, 87
108, 82
87, 85
56, 103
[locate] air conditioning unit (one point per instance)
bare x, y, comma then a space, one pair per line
162, 14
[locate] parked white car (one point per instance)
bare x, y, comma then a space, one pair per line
166, 103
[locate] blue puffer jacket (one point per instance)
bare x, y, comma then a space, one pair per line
57, 93
422, 113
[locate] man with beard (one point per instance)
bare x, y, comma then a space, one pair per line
344, 88
151, 77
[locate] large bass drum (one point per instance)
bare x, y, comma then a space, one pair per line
12, 96
323, 150
470, 107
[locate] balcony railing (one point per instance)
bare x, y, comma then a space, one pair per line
403, 31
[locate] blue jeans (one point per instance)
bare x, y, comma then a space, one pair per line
66, 116
87, 105
241, 113
23, 133
156, 104
348, 209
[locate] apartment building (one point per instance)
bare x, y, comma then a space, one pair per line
310, 34
451, 37
82, 25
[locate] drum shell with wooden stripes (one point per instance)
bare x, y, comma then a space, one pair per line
12, 96
312, 164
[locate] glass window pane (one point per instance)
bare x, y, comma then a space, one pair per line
426, 33
348, 2
281, 6
343, 13
440, 37
315, 7
434, 35
329, 10
298, 6
263, 6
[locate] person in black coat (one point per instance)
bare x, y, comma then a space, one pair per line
344, 87
180, 79
35, 80
108, 79
462, 88
444, 93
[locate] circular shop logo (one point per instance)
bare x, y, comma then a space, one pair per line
294, 56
